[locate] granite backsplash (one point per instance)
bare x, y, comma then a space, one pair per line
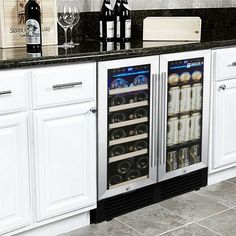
216, 21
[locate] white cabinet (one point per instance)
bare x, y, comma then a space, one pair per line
65, 151
14, 173
224, 127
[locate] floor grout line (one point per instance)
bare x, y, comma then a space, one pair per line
173, 212
230, 182
209, 229
175, 228
208, 198
128, 226
215, 214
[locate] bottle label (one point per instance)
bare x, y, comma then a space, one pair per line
110, 29
32, 32
117, 27
108, 6
128, 29
101, 30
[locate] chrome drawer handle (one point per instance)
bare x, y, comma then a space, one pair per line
233, 64
222, 87
7, 92
66, 86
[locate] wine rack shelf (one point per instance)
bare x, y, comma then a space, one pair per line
128, 139
128, 89
128, 106
127, 123
129, 182
128, 155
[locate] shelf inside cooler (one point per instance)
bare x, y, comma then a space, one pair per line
183, 84
128, 89
128, 106
127, 123
128, 155
183, 145
184, 113
128, 139
129, 182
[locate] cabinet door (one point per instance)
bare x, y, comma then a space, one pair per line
65, 146
14, 173
224, 128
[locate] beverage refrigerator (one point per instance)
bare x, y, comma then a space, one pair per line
184, 108
153, 115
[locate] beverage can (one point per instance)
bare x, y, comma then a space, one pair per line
184, 160
197, 97
195, 127
173, 100
172, 131
194, 154
184, 129
172, 161
185, 98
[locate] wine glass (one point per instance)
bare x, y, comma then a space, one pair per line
75, 9
65, 17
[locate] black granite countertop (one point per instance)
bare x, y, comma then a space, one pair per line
215, 34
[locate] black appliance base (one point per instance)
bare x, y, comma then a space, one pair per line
121, 204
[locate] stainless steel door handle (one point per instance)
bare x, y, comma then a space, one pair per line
164, 117
66, 86
222, 87
7, 92
152, 126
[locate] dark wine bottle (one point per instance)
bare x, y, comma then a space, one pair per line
107, 22
125, 21
33, 27
117, 14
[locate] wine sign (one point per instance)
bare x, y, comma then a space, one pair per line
12, 22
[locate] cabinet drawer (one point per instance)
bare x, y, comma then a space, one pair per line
12, 91
60, 85
225, 64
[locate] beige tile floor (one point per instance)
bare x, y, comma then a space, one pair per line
208, 212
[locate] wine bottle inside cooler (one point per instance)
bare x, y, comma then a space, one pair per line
33, 27
117, 14
107, 21
125, 21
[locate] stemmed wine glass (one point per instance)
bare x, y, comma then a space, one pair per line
65, 17
75, 9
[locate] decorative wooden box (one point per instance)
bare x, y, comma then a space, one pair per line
12, 22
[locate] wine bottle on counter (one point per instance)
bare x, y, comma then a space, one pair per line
117, 13
125, 21
33, 27
107, 22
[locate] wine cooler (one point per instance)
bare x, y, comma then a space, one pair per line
153, 121
126, 161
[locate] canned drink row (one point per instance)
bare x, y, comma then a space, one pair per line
183, 158
184, 99
184, 129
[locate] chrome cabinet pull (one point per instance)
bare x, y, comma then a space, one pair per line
222, 87
93, 110
7, 92
232, 64
66, 86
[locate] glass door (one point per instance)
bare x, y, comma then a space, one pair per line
128, 125
126, 160
184, 90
